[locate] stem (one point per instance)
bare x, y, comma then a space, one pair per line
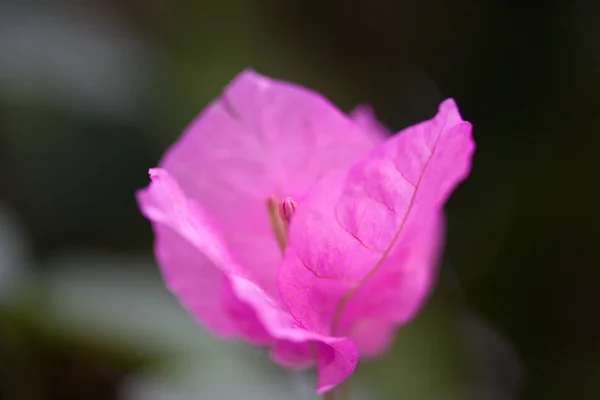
340, 392
329, 395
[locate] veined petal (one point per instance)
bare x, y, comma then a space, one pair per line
365, 241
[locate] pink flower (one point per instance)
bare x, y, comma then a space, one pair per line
271, 168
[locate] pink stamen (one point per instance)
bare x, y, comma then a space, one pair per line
287, 208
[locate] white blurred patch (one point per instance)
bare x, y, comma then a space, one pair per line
224, 376
122, 300
81, 60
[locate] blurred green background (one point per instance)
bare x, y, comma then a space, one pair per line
93, 91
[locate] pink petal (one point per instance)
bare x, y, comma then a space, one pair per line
364, 116
336, 357
262, 137
164, 202
365, 241
294, 355
211, 284
192, 260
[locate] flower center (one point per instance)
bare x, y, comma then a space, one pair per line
280, 215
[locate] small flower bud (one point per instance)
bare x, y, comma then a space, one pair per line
287, 208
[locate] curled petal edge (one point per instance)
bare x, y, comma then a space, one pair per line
336, 357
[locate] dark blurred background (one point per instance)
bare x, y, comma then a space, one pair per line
93, 91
